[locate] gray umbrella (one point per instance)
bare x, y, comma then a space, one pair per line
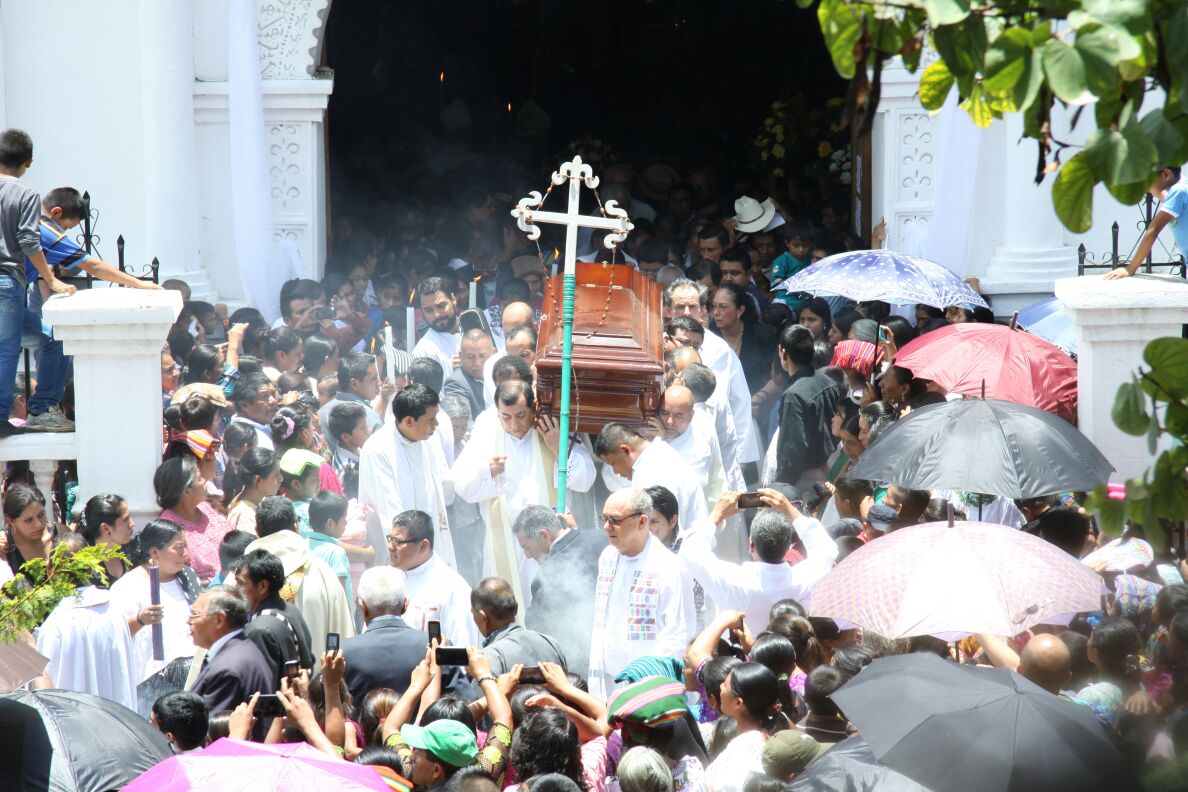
984, 445
63, 741
850, 766
951, 726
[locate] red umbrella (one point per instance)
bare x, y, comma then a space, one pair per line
1009, 364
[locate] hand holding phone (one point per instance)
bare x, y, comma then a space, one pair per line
292, 669
532, 676
332, 642
269, 706
434, 632
751, 500
452, 656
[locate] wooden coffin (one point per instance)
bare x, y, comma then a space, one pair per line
618, 352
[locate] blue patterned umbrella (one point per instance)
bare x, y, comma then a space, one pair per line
885, 275
1048, 320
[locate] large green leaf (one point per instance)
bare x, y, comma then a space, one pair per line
980, 107
1130, 194
1072, 194
1133, 15
935, 84
1065, 69
946, 12
841, 23
1175, 34
1168, 359
1007, 60
1121, 157
1110, 513
963, 47
1130, 409
1099, 51
1168, 140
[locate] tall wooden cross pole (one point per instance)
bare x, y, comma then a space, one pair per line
528, 214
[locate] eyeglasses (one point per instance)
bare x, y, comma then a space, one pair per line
392, 540
619, 520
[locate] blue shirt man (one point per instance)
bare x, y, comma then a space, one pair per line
1173, 194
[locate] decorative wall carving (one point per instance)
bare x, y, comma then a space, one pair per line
286, 159
290, 37
916, 160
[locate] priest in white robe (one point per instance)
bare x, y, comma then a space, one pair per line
401, 467
692, 435
434, 591
512, 464
441, 340
643, 600
633, 460
89, 647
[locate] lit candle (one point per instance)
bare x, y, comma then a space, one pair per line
474, 293
555, 254
155, 599
410, 328
389, 353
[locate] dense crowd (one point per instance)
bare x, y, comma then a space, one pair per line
357, 548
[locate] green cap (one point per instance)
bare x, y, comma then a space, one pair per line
789, 752
295, 461
448, 740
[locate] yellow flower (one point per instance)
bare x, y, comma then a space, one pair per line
779, 136
825, 149
778, 151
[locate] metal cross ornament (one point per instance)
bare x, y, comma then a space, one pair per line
614, 219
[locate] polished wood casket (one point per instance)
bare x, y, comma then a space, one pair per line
618, 352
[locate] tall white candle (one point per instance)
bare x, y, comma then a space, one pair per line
473, 294
410, 328
389, 353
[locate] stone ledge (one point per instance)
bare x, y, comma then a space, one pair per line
1142, 292
39, 445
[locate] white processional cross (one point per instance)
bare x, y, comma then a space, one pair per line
528, 214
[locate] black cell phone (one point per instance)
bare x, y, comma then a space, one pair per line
292, 669
434, 632
324, 313
452, 656
751, 500
531, 676
821, 490
269, 706
331, 642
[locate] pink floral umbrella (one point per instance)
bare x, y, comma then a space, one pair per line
955, 580
232, 765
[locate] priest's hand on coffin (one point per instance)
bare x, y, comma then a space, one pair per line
549, 432
497, 465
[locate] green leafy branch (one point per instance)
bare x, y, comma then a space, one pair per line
1024, 56
27, 599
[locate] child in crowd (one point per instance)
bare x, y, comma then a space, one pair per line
798, 251
301, 479
327, 517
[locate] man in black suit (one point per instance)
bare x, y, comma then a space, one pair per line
386, 652
562, 604
277, 627
234, 668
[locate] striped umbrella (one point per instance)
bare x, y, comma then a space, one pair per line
955, 580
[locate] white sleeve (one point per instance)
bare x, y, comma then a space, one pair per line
722, 581
819, 546
472, 477
378, 487
581, 468
676, 611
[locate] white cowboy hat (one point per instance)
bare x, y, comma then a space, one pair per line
750, 216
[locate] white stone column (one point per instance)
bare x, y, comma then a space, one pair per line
1115, 320
1032, 255
115, 336
167, 110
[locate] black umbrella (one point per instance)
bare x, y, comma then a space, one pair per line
63, 741
955, 727
850, 766
984, 445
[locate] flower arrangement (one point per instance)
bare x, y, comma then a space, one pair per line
803, 139
592, 150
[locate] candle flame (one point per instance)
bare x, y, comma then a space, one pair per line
476, 278
556, 253
411, 294
509, 107
441, 77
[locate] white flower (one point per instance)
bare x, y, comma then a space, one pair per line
845, 178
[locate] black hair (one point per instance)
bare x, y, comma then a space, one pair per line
249, 364
1118, 644
778, 653
702, 268
612, 436
379, 756
246, 315
354, 365
759, 690
510, 392
474, 779
290, 381
449, 707
663, 501
220, 725
511, 365
844, 320
287, 425
16, 148
344, 417
184, 715
197, 412
153, 536
261, 566
714, 673
738, 255
547, 742
810, 653
239, 475
776, 315
316, 351
496, 597
685, 323
518, 701
202, 359
68, 199
274, 513
797, 343
373, 710
1064, 527
413, 401
297, 289
282, 339
901, 329
417, 524
172, 479
786, 607
821, 684
425, 372
433, 285
851, 657
100, 509
231, 551
822, 357
249, 386
1172, 599
325, 506
738, 296
715, 231
797, 228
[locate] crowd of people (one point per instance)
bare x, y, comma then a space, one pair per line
357, 545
